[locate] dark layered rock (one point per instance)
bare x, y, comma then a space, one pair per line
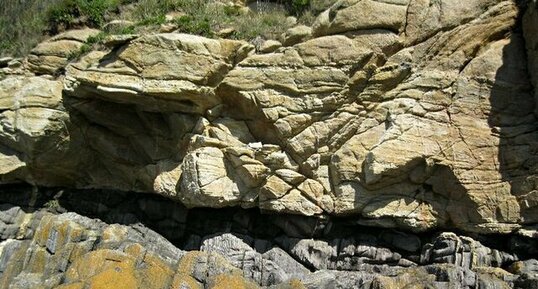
47, 242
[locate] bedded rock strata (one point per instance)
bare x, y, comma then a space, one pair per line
45, 246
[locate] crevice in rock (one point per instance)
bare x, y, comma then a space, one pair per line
178, 224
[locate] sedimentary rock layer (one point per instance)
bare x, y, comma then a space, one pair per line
48, 243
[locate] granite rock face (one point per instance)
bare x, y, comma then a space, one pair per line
418, 116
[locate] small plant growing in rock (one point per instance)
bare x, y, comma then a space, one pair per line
299, 6
190, 25
83, 50
24, 23
65, 14
96, 39
52, 205
154, 20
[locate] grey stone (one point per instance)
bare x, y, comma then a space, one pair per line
7, 247
272, 267
320, 279
9, 213
286, 263
116, 25
51, 241
463, 251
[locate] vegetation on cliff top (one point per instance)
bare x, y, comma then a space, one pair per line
24, 23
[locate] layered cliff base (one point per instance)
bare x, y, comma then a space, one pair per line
49, 242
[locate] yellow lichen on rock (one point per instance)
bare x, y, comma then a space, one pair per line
183, 281
224, 281
112, 269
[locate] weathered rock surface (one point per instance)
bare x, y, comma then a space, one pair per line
33, 128
393, 144
41, 247
402, 114
51, 56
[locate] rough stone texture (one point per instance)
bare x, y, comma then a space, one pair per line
270, 46
356, 15
414, 115
393, 144
163, 73
33, 129
402, 143
51, 56
50, 249
296, 35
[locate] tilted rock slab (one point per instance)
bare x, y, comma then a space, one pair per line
414, 116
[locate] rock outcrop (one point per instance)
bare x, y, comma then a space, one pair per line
51, 56
414, 118
45, 247
389, 118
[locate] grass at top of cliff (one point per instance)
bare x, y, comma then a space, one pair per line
207, 18
24, 23
68, 13
21, 25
